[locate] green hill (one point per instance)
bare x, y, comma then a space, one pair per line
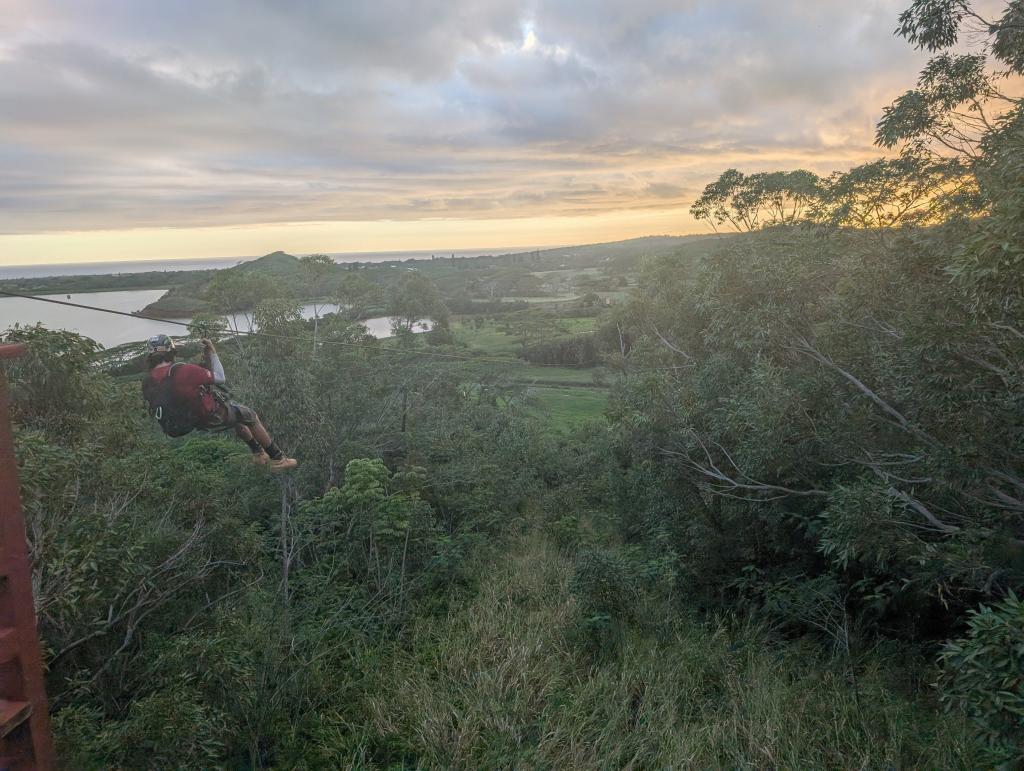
276, 263
452, 277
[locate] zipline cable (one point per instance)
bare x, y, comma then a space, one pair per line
399, 351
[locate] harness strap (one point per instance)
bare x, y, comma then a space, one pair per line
159, 412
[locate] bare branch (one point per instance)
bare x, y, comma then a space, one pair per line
669, 345
923, 510
804, 347
737, 484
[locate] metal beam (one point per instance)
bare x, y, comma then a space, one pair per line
25, 738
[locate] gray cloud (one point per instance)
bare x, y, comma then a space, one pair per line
126, 113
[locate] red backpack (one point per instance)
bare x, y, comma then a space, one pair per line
176, 416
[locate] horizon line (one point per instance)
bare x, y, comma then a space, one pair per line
493, 251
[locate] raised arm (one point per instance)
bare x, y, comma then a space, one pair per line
213, 361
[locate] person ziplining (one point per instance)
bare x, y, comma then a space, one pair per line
183, 398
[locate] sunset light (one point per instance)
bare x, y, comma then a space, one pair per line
201, 129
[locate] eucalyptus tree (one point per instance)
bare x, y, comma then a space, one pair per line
912, 189
749, 202
967, 108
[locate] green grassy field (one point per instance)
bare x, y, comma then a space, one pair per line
566, 408
566, 273
562, 376
487, 338
542, 299
563, 397
617, 296
490, 338
579, 325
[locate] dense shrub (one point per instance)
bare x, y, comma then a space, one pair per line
577, 351
824, 407
984, 676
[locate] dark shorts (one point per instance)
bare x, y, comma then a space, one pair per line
231, 414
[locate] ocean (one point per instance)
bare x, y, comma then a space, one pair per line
144, 266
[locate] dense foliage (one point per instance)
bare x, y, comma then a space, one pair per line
198, 612
825, 420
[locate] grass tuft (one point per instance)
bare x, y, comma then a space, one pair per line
498, 683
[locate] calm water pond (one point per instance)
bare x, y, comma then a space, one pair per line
109, 330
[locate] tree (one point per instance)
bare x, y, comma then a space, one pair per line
209, 325
758, 200
54, 386
946, 114
796, 383
788, 194
316, 271
232, 290
958, 110
415, 299
358, 295
912, 189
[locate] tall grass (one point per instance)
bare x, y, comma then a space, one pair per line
500, 683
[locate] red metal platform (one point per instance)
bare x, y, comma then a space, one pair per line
25, 740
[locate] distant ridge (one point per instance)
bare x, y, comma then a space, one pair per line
126, 270
649, 245
185, 287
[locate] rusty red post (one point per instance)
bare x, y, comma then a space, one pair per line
25, 739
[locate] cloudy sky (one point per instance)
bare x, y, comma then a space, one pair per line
132, 129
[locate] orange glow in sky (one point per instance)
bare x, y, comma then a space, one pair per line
147, 130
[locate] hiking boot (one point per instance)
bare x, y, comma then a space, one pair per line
260, 458
283, 463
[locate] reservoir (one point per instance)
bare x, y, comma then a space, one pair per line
109, 330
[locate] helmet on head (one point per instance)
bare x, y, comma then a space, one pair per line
159, 344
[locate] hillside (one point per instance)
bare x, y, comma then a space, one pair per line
453, 277
632, 249
274, 264
109, 282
